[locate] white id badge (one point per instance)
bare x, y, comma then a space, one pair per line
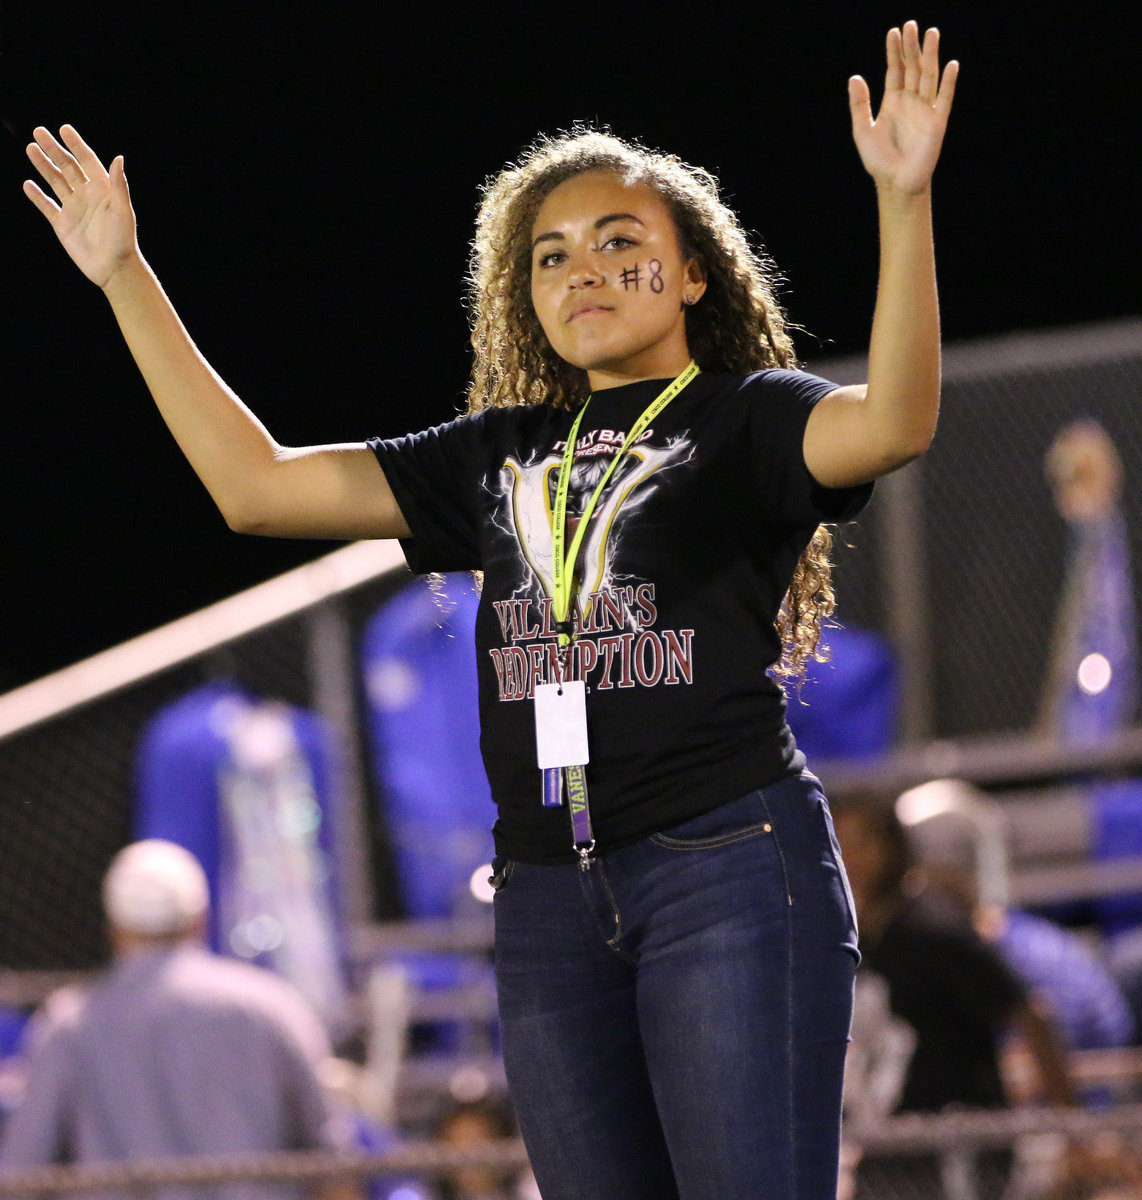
561, 724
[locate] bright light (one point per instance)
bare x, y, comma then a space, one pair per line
1094, 674
926, 801
479, 886
468, 1085
257, 936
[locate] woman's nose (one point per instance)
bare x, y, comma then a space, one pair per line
584, 272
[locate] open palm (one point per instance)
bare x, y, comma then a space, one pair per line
93, 218
899, 148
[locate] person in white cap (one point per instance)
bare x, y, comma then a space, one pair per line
173, 1051
154, 890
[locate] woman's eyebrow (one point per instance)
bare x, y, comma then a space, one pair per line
616, 217
558, 237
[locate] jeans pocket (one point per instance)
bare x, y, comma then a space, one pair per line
737, 821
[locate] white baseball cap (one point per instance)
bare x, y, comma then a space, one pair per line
154, 888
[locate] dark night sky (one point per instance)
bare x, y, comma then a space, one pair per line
306, 176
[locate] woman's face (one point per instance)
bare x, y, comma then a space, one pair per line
608, 280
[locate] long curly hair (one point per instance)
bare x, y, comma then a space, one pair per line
738, 326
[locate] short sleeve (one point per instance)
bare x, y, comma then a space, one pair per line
780, 402
434, 477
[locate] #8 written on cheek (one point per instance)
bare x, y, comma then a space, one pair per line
632, 277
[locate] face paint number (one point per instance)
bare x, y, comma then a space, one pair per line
631, 277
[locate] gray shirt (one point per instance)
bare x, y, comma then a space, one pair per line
173, 1052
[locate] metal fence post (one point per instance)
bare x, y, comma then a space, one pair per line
906, 599
330, 661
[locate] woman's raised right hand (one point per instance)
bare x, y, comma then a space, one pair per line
93, 219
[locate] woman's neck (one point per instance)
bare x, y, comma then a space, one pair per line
638, 370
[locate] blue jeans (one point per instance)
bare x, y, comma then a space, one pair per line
675, 1018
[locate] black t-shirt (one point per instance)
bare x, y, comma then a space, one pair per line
957, 993
689, 554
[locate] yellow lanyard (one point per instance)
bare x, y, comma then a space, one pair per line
564, 569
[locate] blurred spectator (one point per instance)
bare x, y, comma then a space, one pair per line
420, 687
955, 991
1083, 997
174, 1051
1125, 963
1092, 684
1091, 689
437, 810
846, 706
248, 785
473, 1125
957, 835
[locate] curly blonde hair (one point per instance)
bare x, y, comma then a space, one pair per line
738, 327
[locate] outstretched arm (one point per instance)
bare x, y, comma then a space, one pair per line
258, 485
858, 433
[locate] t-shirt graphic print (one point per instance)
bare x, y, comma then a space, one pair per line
681, 575
612, 611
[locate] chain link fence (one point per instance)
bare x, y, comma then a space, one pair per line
1028, 1154
1046, 1154
960, 560
68, 758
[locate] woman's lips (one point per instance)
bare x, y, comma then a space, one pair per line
588, 311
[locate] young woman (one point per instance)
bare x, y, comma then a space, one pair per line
674, 937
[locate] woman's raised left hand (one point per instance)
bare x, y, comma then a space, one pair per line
899, 148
